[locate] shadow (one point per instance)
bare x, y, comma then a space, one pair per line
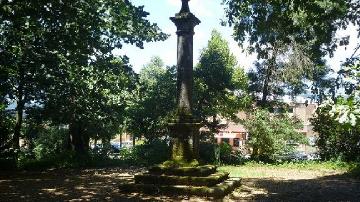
72, 185
102, 185
329, 188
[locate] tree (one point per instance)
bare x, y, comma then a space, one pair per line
91, 101
47, 41
272, 135
220, 86
294, 29
153, 100
346, 109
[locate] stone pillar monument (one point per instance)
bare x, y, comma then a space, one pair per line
184, 129
182, 174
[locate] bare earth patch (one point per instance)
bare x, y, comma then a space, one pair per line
269, 184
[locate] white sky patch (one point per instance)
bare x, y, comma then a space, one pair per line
196, 6
174, 3
344, 52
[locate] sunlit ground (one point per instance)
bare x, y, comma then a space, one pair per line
260, 182
312, 183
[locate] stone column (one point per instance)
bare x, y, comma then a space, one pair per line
184, 128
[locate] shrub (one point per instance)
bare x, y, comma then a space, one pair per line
225, 153
336, 141
149, 153
272, 135
207, 152
50, 142
219, 154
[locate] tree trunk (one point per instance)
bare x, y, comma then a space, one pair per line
19, 109
255, 152
18, 123
86, 139
268, 75
133, 140
77, 142
265, 89
120, 139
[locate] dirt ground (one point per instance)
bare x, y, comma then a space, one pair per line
101, 185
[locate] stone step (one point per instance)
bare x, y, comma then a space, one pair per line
205, 170
211, 180
218, 191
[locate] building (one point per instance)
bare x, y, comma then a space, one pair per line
236, 134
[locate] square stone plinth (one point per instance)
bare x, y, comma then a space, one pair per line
217, 191
211, 180
199, 171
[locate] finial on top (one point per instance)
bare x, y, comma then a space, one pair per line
185, 6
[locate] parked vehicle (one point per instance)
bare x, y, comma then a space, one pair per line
294, 156
313, 156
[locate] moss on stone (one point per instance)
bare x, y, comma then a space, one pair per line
204, 170
217, 191
180, 163
210, 180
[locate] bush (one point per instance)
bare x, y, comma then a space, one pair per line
219, 154
6, 129
271, 134
50, 142
7, 159
149, 153
225, 153
207, 152
336, 141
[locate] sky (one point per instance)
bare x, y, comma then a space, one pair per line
209, 12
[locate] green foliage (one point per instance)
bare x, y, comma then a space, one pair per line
152, 100
7, 154
338, 122
67, 159
59, 54
50, 142
6, 123
272, 135
207, 152
149, 153
224, 94
291, 38
269, 22
336, 140
225, 152
347, 110
211, 153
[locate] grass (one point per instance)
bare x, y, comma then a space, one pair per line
307, 169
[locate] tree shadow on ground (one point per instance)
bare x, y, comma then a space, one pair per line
68, 185
102, 185
329, 188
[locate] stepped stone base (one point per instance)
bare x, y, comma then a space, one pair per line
218, 191
198, 181
210, 180
205, 170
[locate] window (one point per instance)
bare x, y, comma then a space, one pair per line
225, 140
236, 142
